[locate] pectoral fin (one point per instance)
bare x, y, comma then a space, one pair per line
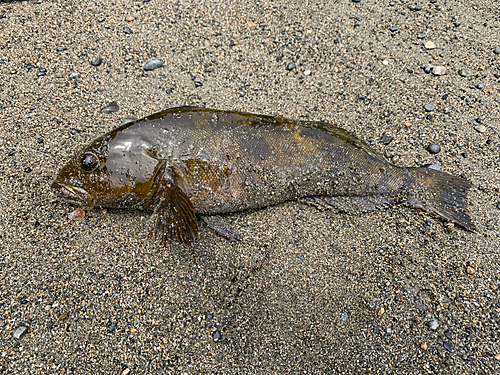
174, 218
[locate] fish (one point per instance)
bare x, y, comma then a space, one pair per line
188, 162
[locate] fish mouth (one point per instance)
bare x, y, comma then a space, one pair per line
72, 194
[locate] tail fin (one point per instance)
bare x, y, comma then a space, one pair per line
441, 194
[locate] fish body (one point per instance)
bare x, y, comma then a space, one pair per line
187, 161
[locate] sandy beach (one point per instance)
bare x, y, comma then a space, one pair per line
307, 291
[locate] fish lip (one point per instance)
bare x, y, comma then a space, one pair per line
71, 193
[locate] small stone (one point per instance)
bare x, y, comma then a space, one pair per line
447, 110
290, 66
41, 72
497, 357
386, 139
448, 335
392, 3
97, 61
434, 148
127, 30
152, 65
432, 166
307, 72
130, 19
19, 332
480, 86
126, 371
62, 48
198, 84
394, 29
77, 214
439, 70
133, 330
424, 346
111, 108
356, 1
457, 24
74, 76
479, 120
493, 286
433, 324
429, 45
216, 336
344, 316
448, 347
463, 72
427, 69
385, 62
169, 91
470, 270
381, 311
496, 51
480, 128
128, 58
361, 96
429, 107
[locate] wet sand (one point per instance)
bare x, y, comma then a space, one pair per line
307, 291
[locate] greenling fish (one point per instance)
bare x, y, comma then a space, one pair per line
187, 161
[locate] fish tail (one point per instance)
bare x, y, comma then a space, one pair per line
441, 194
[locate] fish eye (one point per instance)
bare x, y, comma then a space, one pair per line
89, 162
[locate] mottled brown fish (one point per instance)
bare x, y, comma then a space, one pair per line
187, 161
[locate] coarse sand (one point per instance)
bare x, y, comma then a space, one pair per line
307, 291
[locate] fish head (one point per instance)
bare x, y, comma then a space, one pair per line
116, 170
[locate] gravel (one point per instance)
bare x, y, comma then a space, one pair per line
99, 296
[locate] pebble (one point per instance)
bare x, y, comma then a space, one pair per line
434, 148
385, 62
439, 70
394, 29
480, 86
77, 214
427, 69
344, 316
497, 357
386, 139
290, 66
433, 166
361, 96
127, 30
41, 72
307, 72
429, 107
480, 128
447, 110
429, 45
471, 270
424, 346
448, 335
19, 332
433, 324
74, 76
216, 336
152, 65
130, 19
97, 61
463, 72
198, 84
496, 51
111, 108
448, 347
62, 48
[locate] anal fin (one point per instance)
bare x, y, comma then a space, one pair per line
351, 204
174, 218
